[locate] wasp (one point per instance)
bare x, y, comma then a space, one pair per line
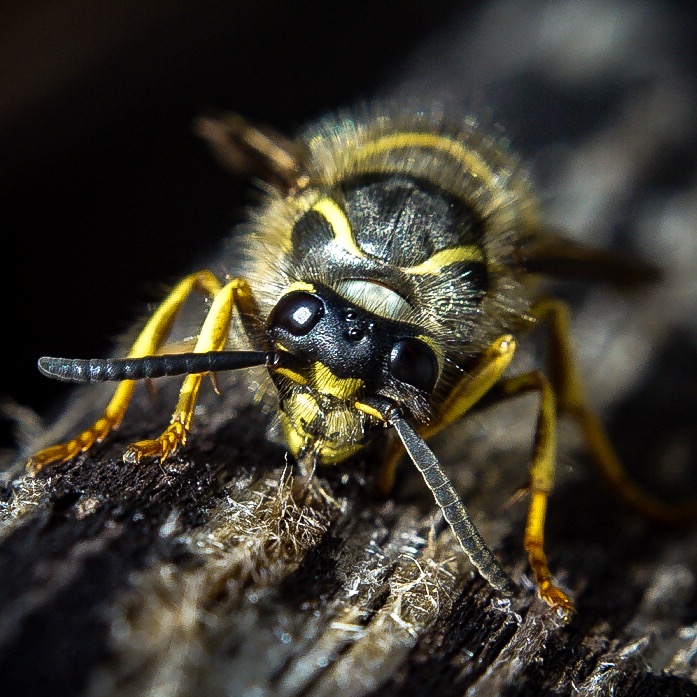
385, 278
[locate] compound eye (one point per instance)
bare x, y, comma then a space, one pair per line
413, 362
297, 313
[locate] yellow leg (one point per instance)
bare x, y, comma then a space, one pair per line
541, 480
469, 390
571, 400
149, 341
212, 337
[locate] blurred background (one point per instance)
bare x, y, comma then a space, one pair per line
106, 196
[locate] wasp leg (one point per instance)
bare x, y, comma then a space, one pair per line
470, 389
149, 341
474, 385
541, 480
572, 401
212, 337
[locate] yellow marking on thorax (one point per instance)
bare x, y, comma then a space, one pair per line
437, 262
326, 382
470, 159
343, 234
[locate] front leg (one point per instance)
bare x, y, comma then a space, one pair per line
473, 385
213, 337
152, 337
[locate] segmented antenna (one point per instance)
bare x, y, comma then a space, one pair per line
453, 509
118, 369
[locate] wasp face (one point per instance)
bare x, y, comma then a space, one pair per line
351, 343
332, 354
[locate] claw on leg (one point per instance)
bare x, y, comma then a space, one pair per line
160, 448
89, 437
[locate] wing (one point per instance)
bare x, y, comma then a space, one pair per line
247, 150
549, 253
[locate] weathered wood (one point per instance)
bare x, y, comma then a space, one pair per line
210, 574
205, 576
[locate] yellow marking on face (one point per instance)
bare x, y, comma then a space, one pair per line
302, 409
328, 383
288, 372
300, 285
343, 234
292, 375
295, 440
436, 263
330, 454
470, 159
371, 411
